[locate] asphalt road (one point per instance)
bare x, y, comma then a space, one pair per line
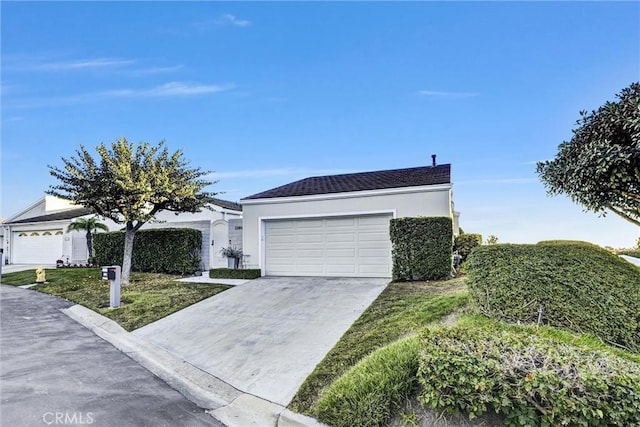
54, 371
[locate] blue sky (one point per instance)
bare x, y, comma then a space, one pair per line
266, 93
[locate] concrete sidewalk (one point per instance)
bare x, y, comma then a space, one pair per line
632, 260
14, 268
244, 353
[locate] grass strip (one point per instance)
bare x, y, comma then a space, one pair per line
400, 310
148, 297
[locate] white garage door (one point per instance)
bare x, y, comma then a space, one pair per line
354, 246
37, 246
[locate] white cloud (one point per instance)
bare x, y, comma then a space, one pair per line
156, 70
168, 89
82, 64
442, 94
221, 21
535, 162
171, 89
228, 18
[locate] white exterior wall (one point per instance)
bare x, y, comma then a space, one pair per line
404, 202
44, 206
204, 215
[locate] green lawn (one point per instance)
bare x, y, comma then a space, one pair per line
148, 297
401, 309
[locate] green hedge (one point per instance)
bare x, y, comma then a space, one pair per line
529, 380
369, 393
163, 250
579, 286
465, 243
422, 248
233, 273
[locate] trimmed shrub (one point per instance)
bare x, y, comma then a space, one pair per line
578, 286
464, 244
233, 273
163, 250
422, 248
529, 380
369, 393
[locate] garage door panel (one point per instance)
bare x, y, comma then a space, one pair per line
341, 223
374, 220
281, 238
341, 270
309, 238
372, 236
309, 269
309, 253
373, 270
341, 253
282, 225
311, 224
380, 253
37, 247
357, 246
341, 237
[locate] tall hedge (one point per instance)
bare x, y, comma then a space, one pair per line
464, 244
577, 285
164, 250
422, 248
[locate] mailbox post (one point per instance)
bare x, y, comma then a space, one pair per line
112, 274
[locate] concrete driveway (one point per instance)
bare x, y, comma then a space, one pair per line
266, 336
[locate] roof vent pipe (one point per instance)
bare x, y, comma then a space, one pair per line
433, 160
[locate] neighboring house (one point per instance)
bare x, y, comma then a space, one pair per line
339, 225
38, 234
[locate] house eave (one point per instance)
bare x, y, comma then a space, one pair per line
348, 195
25, 210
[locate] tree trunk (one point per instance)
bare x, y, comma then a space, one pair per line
128, 252
89, 245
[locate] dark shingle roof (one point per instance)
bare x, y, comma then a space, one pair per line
378, 180
57, 216
227, 204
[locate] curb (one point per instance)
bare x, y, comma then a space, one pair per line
222, 401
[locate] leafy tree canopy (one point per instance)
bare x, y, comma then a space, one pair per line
599, 167
129, 185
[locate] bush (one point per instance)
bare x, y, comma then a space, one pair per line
530, 380
369, 393
464, 244
422, 248
165, 250
579, 286
232, 273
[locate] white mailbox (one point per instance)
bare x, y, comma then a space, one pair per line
112, 274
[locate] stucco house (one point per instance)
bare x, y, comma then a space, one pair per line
338, 225
38, 233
